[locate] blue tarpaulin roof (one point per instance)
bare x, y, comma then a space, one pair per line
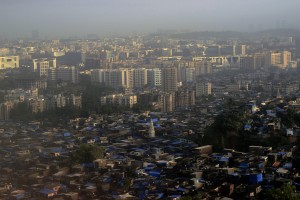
46, 191
154, 173
224, 159
175, 196
244, 165
181, 189
67, 134
89, 128
176, 143
137, 149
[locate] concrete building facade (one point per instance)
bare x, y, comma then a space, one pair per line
169, 79
7, 62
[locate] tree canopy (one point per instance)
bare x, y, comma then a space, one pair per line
285, 192
87, 153
21, 112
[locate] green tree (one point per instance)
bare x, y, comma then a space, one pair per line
60, 115
91, 97
288, 118
21, 112
87, 154
141, 107
225, 131
285, 192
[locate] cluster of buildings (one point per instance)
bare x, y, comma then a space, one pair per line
168, 77
47, 68
145, 156
43, 67
168, 74
119, 99
36, 102
148, 155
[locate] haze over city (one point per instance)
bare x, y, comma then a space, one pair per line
63, 18
149, 99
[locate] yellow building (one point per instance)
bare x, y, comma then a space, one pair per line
9, 62
280, 59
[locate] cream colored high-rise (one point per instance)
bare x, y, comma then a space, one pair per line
167, 102
113, 77
42, 65
203, 89
280, 59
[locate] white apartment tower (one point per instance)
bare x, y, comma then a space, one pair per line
41, 66
139, 77
154, 77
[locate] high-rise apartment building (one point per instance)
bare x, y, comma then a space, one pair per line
202, 67
184, 98
5, 109
240, 50
41, 66
9, 62
279, 59
75, 101
67, 74
167, 102
188, 74
113, 77
203, 89
259, 60
31, 82
139, 77
247, 63
120, 99
154, 77
286, 58
37, 105
100, 76
55, 101
126, 78
180, 70
169, 79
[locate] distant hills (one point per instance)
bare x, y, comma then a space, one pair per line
235, 34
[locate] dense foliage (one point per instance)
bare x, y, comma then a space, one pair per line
227, 131
285, 192
224, 132
87, 154
21, 112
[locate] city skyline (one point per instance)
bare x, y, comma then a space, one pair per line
187, 114
61, 19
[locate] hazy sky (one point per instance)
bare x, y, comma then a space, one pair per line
64, 18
